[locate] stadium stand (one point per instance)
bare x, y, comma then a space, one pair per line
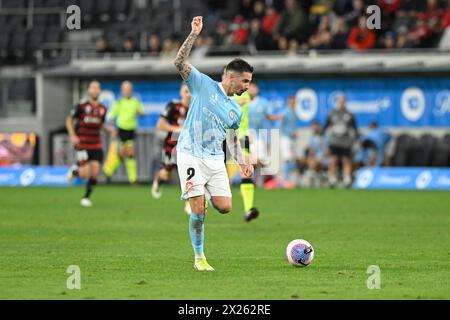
244, 27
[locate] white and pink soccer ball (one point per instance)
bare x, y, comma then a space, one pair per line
299, 253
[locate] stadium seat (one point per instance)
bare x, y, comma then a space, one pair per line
18, 44
446, 142
403, 151
40, 20
423, 151
39, 3
441, 153
4, 45
120, 10
87, 10
35, 39
55, 4
14, 4
53, 35
17, 21
103, 11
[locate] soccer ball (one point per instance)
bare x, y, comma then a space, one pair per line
299, 253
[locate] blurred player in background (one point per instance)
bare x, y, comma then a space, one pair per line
373, 147
315, 156
171, 121
343, 134
125, 112
200, 156
260, 119
89, 116
287, 142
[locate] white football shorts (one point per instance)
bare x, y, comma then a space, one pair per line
202, 177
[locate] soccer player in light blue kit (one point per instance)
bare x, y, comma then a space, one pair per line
288, 136
200, 156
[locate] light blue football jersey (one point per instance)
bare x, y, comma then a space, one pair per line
289, 123
211, 113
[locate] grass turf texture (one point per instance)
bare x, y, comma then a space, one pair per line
129, 246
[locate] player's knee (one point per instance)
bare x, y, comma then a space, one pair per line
224, 208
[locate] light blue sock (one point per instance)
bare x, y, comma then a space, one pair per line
196, 231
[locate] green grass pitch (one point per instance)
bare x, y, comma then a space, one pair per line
130, 246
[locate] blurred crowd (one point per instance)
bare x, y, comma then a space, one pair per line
294, 25
328, 155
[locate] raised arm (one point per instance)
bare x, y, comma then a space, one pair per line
180, 63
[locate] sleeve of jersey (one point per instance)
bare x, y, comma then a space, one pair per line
76, 112
167, 111
194, 80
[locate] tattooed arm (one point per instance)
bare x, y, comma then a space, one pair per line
180, 63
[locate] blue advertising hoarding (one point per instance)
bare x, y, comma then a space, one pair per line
405, 102
403, 179
35, 176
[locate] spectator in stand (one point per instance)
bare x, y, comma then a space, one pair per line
220, 37
270, 20
201, 47
258, 39
339, 35
170, 47
412, 7
444, 43
358, 10
240, 30
101, 45
292, 23
258, 10
389, 41
433, 16
402, 39
360, 37
283, 44
421, 34
128, 45
294, 46
389, 6
321, 39
342, 7
318, 9
445, 22
402, 21
154, 45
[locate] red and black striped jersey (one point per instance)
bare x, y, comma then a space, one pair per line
175, 114
89, 121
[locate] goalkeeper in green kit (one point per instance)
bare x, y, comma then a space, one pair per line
125, 113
